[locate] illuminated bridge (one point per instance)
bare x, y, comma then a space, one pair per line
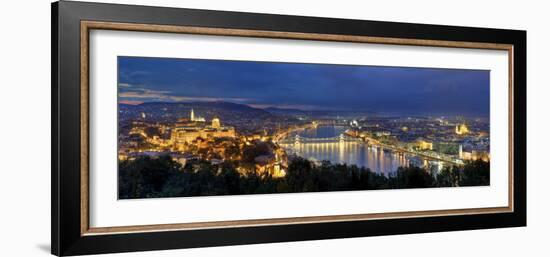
342, 138
313, 140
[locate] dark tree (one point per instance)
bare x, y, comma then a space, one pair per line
475, 173
412, 177
147, 177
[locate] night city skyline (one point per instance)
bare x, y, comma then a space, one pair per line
386, 90
189, 127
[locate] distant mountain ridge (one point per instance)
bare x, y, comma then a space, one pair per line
217, 104
207, 109
317, 113
222, 106
291, 111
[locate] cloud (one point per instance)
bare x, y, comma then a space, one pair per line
139, 90
130, 102
131, 93
141, 94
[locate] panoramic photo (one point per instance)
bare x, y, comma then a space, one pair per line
195, 127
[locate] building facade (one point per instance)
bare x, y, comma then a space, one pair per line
186, 134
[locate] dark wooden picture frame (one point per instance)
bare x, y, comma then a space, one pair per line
71, 23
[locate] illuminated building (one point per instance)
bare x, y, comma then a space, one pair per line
476, 155
186, 134
382, 133
461, 129
277, 171
270, 165
196, 118
423, 144
216, 123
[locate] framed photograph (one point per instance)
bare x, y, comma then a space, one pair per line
178, 128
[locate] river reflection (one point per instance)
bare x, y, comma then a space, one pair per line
358, 153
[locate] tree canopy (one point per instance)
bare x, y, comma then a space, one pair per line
147, 177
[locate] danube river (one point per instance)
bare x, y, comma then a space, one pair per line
357, 153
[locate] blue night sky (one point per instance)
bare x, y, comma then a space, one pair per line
391, 90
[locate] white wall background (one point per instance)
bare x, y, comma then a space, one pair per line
25, 127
